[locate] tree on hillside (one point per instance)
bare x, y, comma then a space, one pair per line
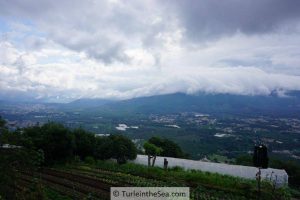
103, 148
8, 137
169, 148
31, 137
123, 148
59, 144
152, 151
84, 143
3, 130
2, 122
56, 141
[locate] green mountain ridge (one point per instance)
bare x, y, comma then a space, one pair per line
206, 103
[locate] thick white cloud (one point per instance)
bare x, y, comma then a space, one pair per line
119, 50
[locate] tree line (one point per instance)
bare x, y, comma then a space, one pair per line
59, 144
33, 147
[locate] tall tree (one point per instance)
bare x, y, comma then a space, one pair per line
56, 141
169, 148
84, 143
152, 151
123, 148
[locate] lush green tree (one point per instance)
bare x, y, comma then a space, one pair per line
152, 151
3, 131
59, 143
84, 143
115, 146
123, 149
31, 137
169, 148
56, 141
2, 122
103, 148
7, 137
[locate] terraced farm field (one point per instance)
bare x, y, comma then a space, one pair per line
80, 183
69, 184
94, 182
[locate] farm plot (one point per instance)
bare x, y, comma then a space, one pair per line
81, 181
69, 184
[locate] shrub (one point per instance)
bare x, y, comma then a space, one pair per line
89, 160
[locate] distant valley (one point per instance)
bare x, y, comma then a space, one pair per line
219, 127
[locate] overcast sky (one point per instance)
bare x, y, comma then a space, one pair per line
69, 49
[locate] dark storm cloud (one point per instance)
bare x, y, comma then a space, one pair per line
207, 19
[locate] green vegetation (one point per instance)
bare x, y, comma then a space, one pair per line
54, 162
220, 158
30, 148
52, 194
122, 148
204, 185
59, 144
292, 168
196, 135
157, 146
11, 161
169, 148
152, 151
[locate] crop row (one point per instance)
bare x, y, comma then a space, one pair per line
86, 180
60, 188
203, 194
208, 191
88, 187
122, 178
68, 182
103, 185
